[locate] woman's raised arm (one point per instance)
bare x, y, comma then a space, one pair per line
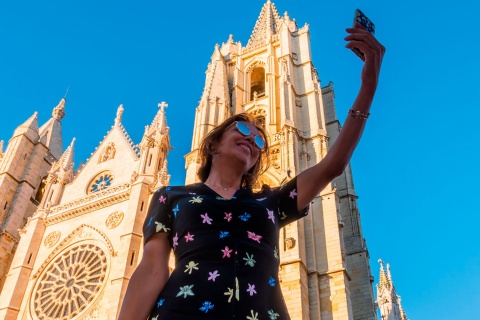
313, 180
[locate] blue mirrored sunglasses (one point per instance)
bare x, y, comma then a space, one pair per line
245, 130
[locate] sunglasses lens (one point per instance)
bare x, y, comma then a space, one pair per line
259, 142
242, 127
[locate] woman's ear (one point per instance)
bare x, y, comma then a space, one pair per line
212, 150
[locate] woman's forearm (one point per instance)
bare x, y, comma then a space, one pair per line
143, 289
148, 279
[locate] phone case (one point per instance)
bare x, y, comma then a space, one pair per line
361, 18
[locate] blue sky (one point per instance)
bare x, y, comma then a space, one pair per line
415, 169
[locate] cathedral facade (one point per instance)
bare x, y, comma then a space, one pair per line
71, 239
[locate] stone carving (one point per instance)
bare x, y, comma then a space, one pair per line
290, 243
70, 283
114, 219
108, 153
192, 157
92, 197
275, 154
52, 239
94, 312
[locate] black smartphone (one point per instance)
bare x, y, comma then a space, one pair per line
361, 18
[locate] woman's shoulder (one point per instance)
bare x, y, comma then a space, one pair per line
265, 189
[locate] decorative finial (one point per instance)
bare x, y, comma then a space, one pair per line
59, 111
286, 15
118, 119
230, 38
73, 142
381, 262
162, 105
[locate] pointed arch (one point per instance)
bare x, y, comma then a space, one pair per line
100, 182
79, 233
255, 79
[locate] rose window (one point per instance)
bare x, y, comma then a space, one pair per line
70, 283
101, 182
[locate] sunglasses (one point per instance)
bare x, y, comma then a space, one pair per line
245, 130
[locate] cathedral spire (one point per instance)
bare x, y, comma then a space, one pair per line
216, 86
51, 131
384, 280
29, 127
267, 25
160, 121
66, 160
388, 301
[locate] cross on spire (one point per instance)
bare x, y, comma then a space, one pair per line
162, 105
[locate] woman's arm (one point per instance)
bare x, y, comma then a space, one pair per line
148, 279
313, 180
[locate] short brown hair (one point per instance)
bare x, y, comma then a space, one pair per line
205, 152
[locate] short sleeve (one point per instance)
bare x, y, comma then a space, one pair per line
287, 203
159, 218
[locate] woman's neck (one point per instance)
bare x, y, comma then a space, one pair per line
224, 182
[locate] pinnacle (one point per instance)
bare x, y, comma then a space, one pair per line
267, 25
118, 119
29, 127
66, 160
384, 280
59, 111
160, 121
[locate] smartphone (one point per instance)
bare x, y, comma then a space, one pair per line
361, 18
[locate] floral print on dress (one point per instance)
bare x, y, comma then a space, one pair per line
207, 305
226, 251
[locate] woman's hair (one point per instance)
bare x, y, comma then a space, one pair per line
214, 136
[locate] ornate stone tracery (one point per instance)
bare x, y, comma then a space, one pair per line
114, 219
52, 239
100, 182
70, 283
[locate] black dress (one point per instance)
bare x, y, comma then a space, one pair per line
226, 251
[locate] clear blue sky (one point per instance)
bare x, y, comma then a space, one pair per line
416, 169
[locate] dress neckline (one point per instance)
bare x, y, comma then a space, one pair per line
237, 193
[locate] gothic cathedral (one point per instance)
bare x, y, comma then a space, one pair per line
70, 239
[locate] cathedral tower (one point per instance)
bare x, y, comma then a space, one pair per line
325, 272
81, 245
29, 156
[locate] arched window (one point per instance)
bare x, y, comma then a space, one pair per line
101, 182
40, 191
257, 83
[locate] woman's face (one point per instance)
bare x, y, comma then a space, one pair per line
238, 149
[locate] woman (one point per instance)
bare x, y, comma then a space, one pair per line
224, 236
